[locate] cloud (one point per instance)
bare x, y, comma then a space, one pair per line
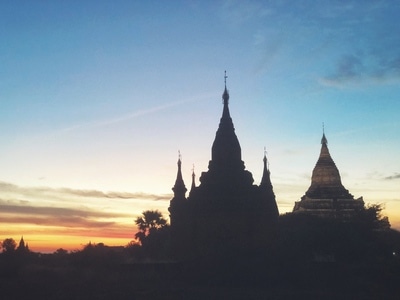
132, 115
121, 118
349, 67
39, 207
55, 211
394, 176
354, 39
377, 68
366, 47
56, 216
48, 192
111, 195
63, 221
237, 13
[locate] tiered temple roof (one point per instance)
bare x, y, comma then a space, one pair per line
226, 208
326, 196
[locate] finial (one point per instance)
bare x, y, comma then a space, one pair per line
193, 180
225, 77
323, 140
225, 95
266, 162
179, 154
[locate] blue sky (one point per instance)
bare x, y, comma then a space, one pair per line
99, 96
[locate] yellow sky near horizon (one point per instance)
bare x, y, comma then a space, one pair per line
53, 218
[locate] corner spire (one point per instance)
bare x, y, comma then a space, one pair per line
265, 180
179, 188
193, 186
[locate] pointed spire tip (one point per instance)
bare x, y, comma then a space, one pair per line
225, 95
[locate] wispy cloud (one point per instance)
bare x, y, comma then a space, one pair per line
351, 69
134, 114
114, 195
124, 117
89, 210
55, 211
46, 192
63, 221
396, 175
352, 37
371, 55
236, 12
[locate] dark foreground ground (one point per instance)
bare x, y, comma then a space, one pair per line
306, 259
208, 279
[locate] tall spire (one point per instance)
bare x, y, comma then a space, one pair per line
22, 247
22, 242
179, 187
226, 148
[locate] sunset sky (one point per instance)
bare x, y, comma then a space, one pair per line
98, 97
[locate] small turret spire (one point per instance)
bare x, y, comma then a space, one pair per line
179, 187
193, 180
265, 180
22, 242
265, 159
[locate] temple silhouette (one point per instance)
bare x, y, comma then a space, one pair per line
327, 197
227, 210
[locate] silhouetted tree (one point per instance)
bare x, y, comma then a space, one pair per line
153, 234
150, 222
9, 245
371, 218
61, 252
359, 238
97, 256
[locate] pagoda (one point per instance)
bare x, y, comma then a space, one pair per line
227, 210
326, 196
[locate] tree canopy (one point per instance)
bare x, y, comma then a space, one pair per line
9, 245
150, 222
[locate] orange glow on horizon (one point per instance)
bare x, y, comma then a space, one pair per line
50, 243
47, 239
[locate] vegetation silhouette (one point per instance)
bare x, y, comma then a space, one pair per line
153, 235
149, 223
8, 245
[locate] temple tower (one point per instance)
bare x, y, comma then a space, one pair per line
326, 196
226, 210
